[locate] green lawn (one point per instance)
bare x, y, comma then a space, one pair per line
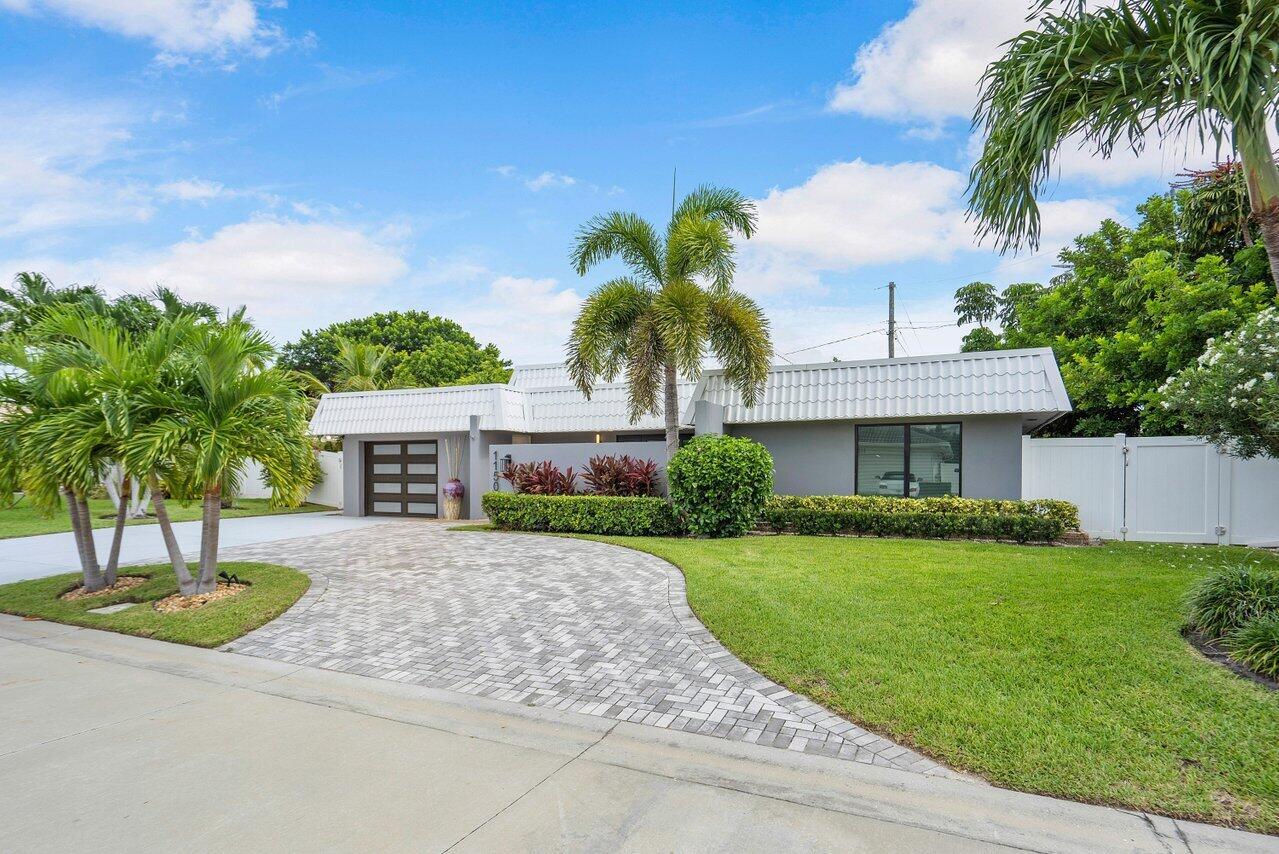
23, 520
274, 589
1054, 670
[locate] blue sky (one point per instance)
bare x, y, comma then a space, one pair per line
325, 160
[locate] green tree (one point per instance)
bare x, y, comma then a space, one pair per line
424, 351
1131, 307
1112, 75
677, 304
228, 406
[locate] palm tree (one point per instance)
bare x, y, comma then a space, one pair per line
361, 365
676, 305
33, 294
125, 379
1112, 75
33, 401
228, 408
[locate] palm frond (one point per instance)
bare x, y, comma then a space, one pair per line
1109, 77
739, 338
679, 317
622, 235
599, 341
697, 247
726, 206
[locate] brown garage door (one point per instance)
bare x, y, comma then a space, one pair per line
400, 478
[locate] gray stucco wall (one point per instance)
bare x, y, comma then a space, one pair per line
576, 454
811, 458
818, 457
991, 457
353, 465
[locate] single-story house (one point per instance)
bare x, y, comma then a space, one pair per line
915, 426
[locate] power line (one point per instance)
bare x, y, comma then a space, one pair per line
876, 331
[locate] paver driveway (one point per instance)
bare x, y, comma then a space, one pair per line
548, 621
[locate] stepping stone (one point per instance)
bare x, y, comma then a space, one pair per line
112, 609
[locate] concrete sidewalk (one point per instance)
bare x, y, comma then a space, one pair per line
117, 743
51, 554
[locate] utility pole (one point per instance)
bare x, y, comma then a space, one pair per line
892, 319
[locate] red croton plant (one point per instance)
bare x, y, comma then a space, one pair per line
604, 475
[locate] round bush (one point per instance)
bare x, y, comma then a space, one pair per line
1225, 600
1256, 644
718, 484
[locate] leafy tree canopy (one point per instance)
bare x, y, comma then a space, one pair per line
1132, 307
424, 351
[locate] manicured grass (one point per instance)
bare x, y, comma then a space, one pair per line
23, 520
1053, 670
273, 589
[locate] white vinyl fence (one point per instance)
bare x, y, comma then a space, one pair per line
1176, 489
328, 491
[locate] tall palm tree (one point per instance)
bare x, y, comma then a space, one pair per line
1110, 76
676, 306
230, 408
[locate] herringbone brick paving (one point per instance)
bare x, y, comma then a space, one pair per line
546, 621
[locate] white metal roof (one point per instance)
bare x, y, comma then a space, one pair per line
540, 399
999, 382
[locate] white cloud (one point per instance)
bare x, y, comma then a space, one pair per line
281, 268
179, 29
855, 213
926, 66
47, 170
527, 318
550, 180
193, 190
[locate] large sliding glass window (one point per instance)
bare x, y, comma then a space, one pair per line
911, 460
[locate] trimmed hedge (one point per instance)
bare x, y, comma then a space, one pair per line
580, 514
1021, 527
1062, 512
719, 484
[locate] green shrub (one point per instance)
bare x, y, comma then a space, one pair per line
1021, 527
718, 484
580, 514
1062, 512
1225, 600
1256, 644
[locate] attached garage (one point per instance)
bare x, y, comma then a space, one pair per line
401, 478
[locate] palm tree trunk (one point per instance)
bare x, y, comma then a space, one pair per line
77, 531
1262, 175
210, 519
672, 411
117, 535
186, 582
90, 569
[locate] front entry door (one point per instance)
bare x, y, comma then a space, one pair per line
400, 478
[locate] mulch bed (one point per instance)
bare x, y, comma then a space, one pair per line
177, 602
123, 582
1217, 655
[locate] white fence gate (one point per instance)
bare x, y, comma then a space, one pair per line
1176, 489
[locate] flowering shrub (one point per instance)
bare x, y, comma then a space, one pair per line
1231, 395
621, 476
542, 478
